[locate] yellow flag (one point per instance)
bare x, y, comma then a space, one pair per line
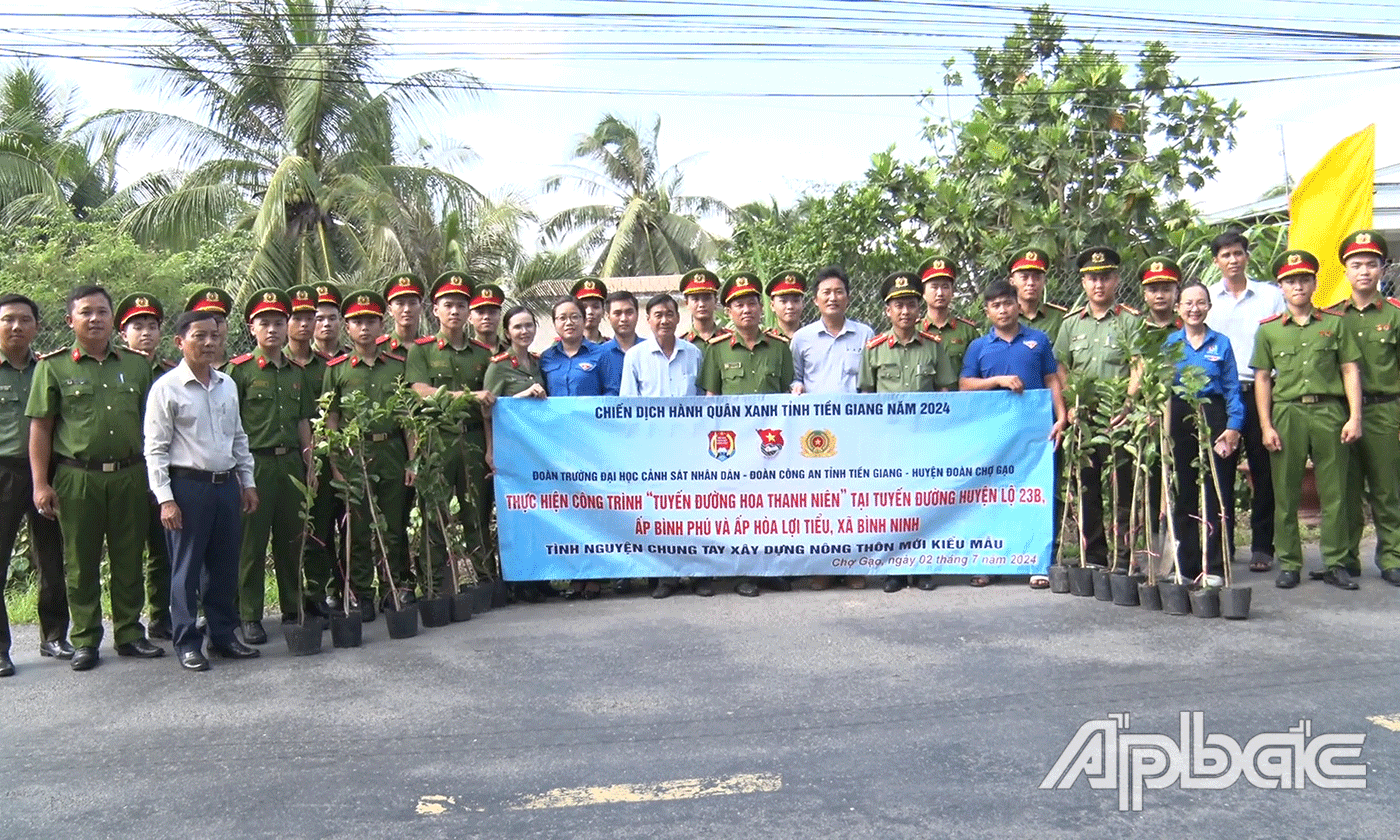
1334, 199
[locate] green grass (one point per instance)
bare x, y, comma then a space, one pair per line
21, 600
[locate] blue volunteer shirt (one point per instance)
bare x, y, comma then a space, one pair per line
578, 376
1027, 355
610, 355
1217, 358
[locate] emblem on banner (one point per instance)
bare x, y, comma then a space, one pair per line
818, 443
722, 444
770, 442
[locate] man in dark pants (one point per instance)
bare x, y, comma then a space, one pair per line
1238, 304
19, 323
197, 460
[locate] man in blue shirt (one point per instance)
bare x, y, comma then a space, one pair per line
621, 311
1017, 358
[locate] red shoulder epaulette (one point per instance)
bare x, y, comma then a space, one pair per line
427, 339
717, 337
938, 337
1271, 318
1123, 307
876, 341
1045, 303
395, 356
49, 355
337, 360
777, 333
488, 348
1330, 311
501, 357
965, 321
382, 339
238, 360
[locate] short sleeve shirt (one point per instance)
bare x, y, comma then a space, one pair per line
506, 377
1028, 355
1093, 346
1308, 357
379, 381
731, 367
97, 403
955, 336
579, 375
272, 398
1376, 330
893, 367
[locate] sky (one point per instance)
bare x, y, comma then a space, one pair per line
766, 98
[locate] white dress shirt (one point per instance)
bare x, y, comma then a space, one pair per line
648, 372
190, 424
823, 363
1237, 318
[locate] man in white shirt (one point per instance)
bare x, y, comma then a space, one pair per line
664, 366
826, 354
201, 473
1238, 304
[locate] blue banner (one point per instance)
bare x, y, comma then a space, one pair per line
937, 483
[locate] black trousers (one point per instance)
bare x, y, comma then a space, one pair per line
45, 548
204, 560
1261, 509
1096, 480
1187, 510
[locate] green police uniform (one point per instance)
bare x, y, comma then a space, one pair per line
506, 377
273, 401
100, 481
1048, 316
731, 367
1375, 462
435, 362
378, 377
889, 366
1309, 410
699, 281
1093, 345
954, 337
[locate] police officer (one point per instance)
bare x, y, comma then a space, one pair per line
404, 293
1160, 277
139, 316
938, 274
19, 324
320, 550
700, 288
378, 373
1093, 342
275, 405
453, 361
218, 303
1026, 272
327, 340
1374, 322
85, 407
906, 359
1312, 409
785, 291
590, 293
485, 316
746, 361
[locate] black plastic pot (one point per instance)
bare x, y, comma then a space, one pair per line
436, 611
462, 606
1176, 598
500, 594
1234, 602
1103, 589
303, 639
481, 596
1081, 581
1149, 596
402, 624
347, 631
1205, 602
1125, 590
1059, 579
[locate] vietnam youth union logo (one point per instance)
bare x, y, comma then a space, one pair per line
818, 443
722, 444
770, 442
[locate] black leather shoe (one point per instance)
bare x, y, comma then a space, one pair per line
367, 610
663, 590
193, 660
894, 583
1391, 576
622, 586
58, 650
748, 588
7, 668
1340, 578
233, 650
253, 633
526, 593
332, 604
160, 630
704, 587
84, 659
777, 584
1287, 579
141, 649
926, 582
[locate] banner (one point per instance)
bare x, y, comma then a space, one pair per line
1335, 198
937, 483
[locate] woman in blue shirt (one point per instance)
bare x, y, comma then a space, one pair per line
1210, 351
571, 366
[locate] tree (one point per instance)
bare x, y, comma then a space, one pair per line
1063, 151
45, 170
650, 228
298, 149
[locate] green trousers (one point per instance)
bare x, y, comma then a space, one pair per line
325, 549
1310, 430
157, 568
1375, 462
387, 461
278, 519
464, 469
92, 507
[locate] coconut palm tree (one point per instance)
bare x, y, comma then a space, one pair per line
298, 147
648, 226
45, 171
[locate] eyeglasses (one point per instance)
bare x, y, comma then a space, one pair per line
570, 318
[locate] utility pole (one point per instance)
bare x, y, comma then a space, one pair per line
1283, 153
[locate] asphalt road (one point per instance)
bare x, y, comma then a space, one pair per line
810, 714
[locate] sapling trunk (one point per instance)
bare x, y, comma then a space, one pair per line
1168, 521
1203, 456
376, 530
1224, 520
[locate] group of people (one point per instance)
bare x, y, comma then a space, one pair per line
209, 456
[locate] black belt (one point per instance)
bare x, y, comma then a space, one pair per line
1372, 399
220, 477
1314, 399
275, 450
1246, 385
99, 466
